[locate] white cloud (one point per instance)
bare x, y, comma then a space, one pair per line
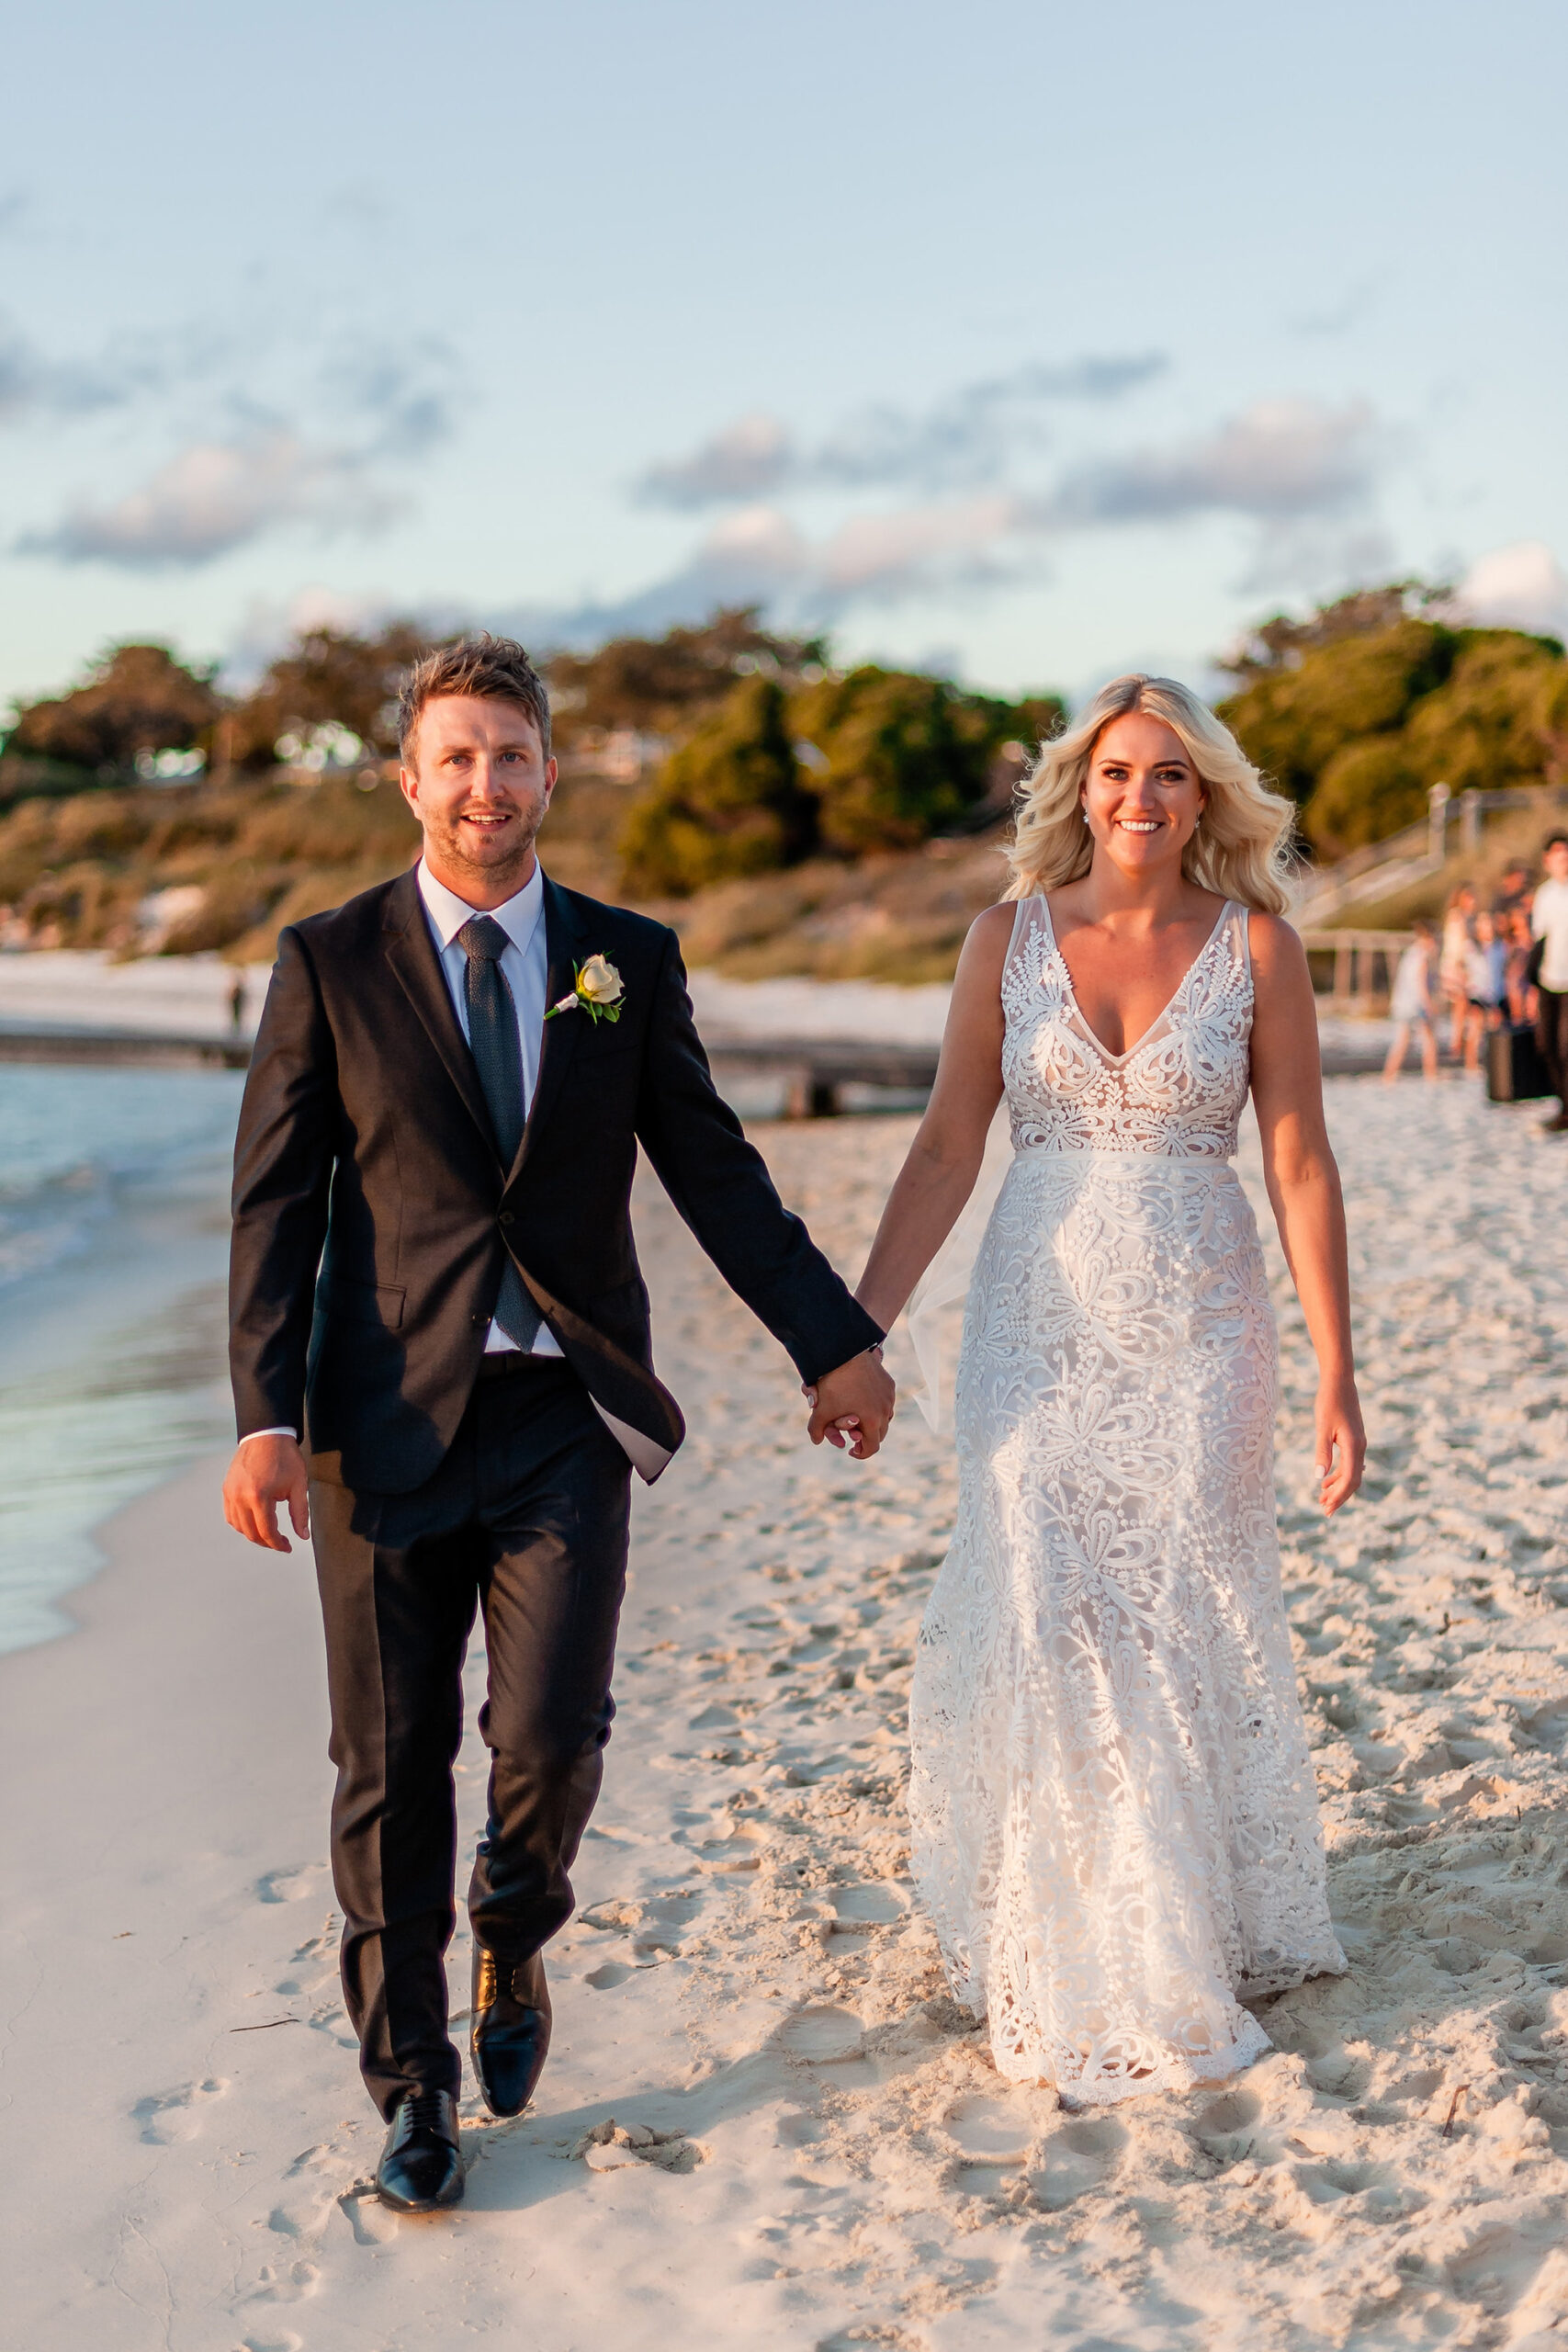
1278, 458
965, 439
1522, 586
754, 454
1304, 474
215, 496
884, 557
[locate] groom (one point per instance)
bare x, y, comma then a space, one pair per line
439, 1346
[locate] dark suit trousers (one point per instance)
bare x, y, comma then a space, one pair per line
1551, 1036
526, 1519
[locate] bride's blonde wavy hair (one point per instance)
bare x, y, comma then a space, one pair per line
1241, 845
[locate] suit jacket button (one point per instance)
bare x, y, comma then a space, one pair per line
507, 1217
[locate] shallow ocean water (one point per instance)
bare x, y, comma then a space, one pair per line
113, 1243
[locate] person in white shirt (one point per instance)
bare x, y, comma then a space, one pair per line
1549, 921
1411, 1006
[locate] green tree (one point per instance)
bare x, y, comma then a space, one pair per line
1487, 726
728, 803
1369, 789
664, 685
135, 698
1293, 720
328, 677
892, 756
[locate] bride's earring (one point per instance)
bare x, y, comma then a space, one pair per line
1085, 816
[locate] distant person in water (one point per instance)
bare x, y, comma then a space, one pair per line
1549, 921
1413, 1004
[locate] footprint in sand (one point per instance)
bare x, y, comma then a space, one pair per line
1081, 2157
608, 1975
288, 2282
164, 2117
984, 2125
857, 1909
290, 1885
821, 2036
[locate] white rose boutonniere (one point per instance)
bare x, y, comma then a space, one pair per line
597, 988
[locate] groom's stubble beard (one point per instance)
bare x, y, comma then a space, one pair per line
447, 849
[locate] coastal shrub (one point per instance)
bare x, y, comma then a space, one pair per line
1491, 724
327, 677
1293, 721
234, 902
876, 761
665, 686
331, 823
134, 698
101, 824
1369, 790
892, 756
728, 802
1359, 710
28, 847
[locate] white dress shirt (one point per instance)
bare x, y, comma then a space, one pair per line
525, 965
525, 962
1548, 921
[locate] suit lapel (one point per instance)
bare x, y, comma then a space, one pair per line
557, 1040
411, 951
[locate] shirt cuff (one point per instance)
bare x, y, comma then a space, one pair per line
251, 1434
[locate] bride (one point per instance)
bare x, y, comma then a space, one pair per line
1115, 1824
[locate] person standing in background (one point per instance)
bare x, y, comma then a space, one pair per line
1514, 889
1454, 964
1517, 966
1486, 987
1412, 1006
1549, 923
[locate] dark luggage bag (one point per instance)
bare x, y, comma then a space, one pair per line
1516, 1072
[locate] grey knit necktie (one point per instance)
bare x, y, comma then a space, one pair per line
498, 1057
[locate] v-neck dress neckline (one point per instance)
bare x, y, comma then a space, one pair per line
1116, 1061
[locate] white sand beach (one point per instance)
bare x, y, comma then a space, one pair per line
763, 2124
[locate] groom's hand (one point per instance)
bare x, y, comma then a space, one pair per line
852, 1405
266, 1471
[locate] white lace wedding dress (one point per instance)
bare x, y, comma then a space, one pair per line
1115, 1824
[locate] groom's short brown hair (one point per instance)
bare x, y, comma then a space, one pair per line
496, 669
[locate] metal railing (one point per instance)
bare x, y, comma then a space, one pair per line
1363, 966
1416, 850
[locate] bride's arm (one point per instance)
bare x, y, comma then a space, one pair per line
1304, 1186
944, 1158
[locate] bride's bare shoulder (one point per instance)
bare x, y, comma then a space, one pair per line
1275, 947
977, 984
993, 928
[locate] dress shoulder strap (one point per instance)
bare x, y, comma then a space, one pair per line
1234, 921
1028, 919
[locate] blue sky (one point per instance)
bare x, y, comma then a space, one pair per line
1040, 340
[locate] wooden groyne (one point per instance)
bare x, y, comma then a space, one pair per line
20, 1041
814, 1071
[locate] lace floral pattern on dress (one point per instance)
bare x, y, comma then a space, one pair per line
1114, 1819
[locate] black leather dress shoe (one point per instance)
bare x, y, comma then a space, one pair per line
421, 2169
511, 2030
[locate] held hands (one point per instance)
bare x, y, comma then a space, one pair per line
852, 1407
266, 1471
1341, 1451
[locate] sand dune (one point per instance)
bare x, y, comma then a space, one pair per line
764, 2124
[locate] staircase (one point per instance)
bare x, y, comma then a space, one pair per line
1409, 855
